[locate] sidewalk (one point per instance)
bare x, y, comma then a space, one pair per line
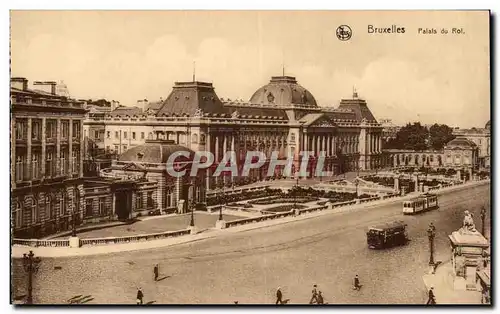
17, 251
442, 281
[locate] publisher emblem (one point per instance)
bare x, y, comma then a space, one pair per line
344, 32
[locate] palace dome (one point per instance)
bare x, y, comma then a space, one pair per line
153, 151
283, 91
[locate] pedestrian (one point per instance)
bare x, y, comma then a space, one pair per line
155, 271
357, 286
320, 298
432, 298
140, 296
314, 297
279, 296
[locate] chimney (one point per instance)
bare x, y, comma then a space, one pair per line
48, 86
19, 83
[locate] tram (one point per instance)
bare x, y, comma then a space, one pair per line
387, 235
420, 204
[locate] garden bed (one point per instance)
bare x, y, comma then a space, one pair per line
284, 200
283, 208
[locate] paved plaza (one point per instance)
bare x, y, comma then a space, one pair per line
249, 266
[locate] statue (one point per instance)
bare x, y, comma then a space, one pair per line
198, 113
468, 224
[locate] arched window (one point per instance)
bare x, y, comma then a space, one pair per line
18, 215
34, 210
48, 207
195, 138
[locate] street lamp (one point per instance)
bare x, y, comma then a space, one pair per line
191, 203
483, 216
431, 233
356, 182
30, 265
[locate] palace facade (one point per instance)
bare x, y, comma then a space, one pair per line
280, 116
47, 150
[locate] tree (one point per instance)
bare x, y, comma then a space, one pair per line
411, 136
440, 134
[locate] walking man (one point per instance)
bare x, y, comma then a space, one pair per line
357, 286
140, 296
155, 271
432, 298
279, 296
320, 298
314, 297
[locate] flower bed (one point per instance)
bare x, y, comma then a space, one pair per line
283, 208
221, 199
284, 200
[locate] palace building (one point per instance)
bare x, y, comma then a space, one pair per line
47, 150
280, 116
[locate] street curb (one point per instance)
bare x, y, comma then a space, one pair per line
212, 233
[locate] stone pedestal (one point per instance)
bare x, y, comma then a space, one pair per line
74, 242
193, 230
220, 224
467, 255
396, 184
459, 175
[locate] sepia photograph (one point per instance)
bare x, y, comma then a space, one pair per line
202, 157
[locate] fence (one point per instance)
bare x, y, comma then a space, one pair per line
102, 241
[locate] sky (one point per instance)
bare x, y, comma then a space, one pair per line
131, 55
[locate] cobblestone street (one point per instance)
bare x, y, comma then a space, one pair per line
248, 266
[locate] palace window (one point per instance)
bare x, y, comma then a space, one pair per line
117, 148
102, 206
457, 159
96, 135
292, 138
34, 210
124, 135
124, 147
20, 167
36, 129
89, 208
51, 129
18, 215
48, 207
142, 135
21, 129
138, 200
150, 201
133, 135
74, 159
64, 162
65, 129
116, 134
35, 166
49, 164
108, 134
195, 138
62, 204
76, 129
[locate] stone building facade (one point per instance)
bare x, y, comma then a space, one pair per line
482, 138
459, 153
281, 116
47, 150
138, 182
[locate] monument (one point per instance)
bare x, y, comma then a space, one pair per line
468, 250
